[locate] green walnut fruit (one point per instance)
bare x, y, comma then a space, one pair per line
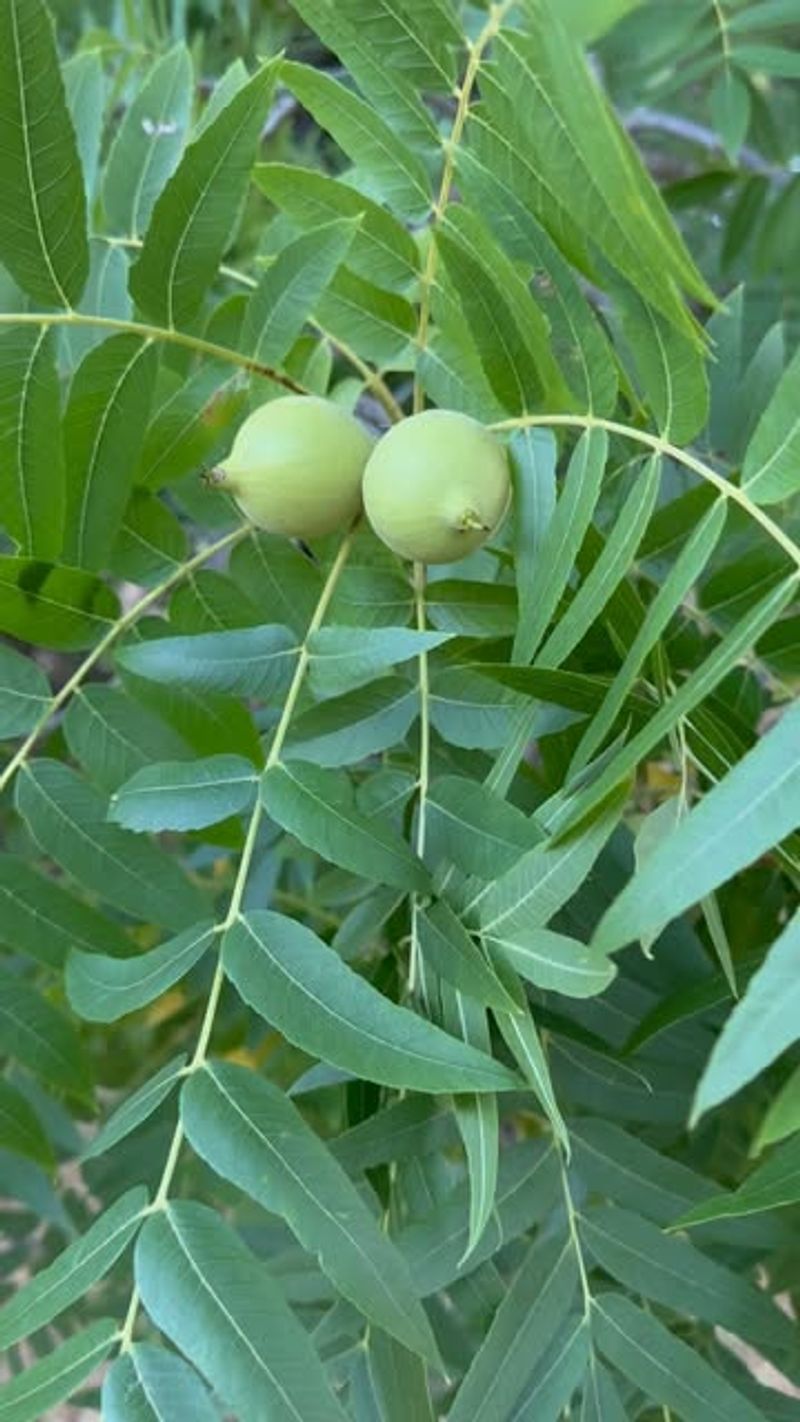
436, 486
296, 467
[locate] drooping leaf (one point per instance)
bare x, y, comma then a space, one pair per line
32, 487
192, 216
226, 1313
103, 989
42, 202
398, 1379
52, 1291
522, 1039
178, 796
436, 1244
477, 1115
447, 947
252, 1134
783, 1116
281, 969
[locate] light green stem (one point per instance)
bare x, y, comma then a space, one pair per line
235, 904
184, 570
167, 334
423, 784
663, 446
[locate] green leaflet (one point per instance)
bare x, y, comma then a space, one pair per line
51, 1291
222, 1308
395, 170
137, 167
291, 287
252, 1134
53, 607
68, 820
382, 250
289, 976
137, 1108
759, 798
524, 1325
104, 422
31, 1394
770, 461
192, 216
104, 989
181, 796
32, 487
40, 1036
317, 806
21, 1130
665, 1368
256, 661
149, 1384
24, 693
42, 202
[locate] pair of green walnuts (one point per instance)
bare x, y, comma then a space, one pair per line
434, 488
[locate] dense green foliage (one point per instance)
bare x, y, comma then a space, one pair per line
400, 967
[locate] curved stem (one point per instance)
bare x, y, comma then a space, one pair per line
184, 570
463, 94
153, 333
235, 904
672, 451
